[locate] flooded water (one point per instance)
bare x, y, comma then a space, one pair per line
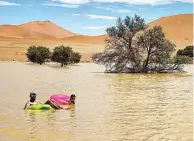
109, 107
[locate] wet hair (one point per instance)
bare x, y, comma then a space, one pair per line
73, 95
32, 93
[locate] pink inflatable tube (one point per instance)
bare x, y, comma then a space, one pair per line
61, 99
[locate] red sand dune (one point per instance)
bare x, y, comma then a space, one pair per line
48, 28
14, 31
178, 28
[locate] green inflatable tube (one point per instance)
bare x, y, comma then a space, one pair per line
40, 107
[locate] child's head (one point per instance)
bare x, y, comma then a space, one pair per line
32, 96
72, 98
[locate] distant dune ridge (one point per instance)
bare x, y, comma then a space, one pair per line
35, 30
15, 39
86, 39
12, 31
47, 27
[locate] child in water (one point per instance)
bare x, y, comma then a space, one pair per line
32, 100
55, 105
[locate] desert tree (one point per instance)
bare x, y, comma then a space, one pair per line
134, 48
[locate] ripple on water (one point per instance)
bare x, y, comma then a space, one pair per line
109, 107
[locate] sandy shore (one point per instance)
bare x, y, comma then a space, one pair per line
15, 49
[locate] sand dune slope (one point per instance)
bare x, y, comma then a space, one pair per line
48, 28
14, 31
178, 28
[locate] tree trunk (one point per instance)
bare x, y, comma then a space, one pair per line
145, 64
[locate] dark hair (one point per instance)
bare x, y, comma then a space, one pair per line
32, 93
73, 95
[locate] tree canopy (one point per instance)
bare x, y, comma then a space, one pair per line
38, 54
65, 55
188, 51
60, 54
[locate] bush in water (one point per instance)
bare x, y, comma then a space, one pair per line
65, 55
38, 54
188, 51
133, 48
